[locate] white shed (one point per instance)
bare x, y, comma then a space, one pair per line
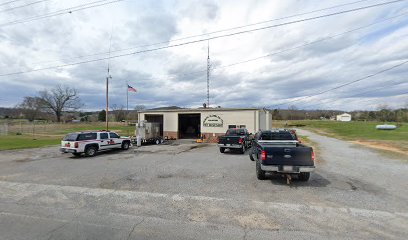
345, 117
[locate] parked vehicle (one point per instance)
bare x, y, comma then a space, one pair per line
279, 151
235, 138
90, 143
149, 132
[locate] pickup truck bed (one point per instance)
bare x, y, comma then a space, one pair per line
286, 156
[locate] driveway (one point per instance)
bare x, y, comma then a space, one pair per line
191, 191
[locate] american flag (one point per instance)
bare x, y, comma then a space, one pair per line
131, 89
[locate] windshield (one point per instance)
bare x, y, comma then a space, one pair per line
276, 136
236, 132
70, 137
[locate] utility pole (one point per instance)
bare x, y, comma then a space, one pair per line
208, 74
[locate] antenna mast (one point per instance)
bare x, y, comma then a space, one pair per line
107, 84
208, 74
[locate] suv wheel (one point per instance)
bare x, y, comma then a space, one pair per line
157, 141
125, 145
222, 150
90, 151
260, 174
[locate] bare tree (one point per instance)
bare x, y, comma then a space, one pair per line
119, 112
60, 99
140, 107
31, 107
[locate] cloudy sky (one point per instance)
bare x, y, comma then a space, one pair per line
275, 67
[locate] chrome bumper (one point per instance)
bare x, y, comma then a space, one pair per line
229, 145
67, 150
295, 169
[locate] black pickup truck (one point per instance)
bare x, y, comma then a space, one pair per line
279, 151
235, 138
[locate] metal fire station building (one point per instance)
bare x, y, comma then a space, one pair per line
207, 122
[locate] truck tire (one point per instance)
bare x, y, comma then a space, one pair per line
260, 174
304, 176
125, 145
222, 150
251, 156
90, 151
242, 150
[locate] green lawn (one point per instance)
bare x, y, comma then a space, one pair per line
46, 135
356, 130
26, 141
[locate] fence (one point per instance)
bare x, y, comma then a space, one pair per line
43, 128
3, 129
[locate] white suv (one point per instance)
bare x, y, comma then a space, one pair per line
92, 142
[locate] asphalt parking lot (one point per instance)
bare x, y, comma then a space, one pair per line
192, 191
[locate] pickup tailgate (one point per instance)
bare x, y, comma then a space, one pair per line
229, 140
288, 155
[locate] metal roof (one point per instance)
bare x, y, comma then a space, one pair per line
200, 110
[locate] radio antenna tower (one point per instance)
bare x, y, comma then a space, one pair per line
107, 84
208, 74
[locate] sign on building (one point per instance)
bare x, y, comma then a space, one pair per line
213, 121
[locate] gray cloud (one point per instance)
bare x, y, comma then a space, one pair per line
177, 76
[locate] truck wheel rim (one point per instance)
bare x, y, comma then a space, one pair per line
91, 151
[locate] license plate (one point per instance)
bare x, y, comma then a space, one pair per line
287, 168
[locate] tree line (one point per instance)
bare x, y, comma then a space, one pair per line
63, 103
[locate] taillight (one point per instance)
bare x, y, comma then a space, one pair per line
263, 155
313, 156
240, 140
76, 145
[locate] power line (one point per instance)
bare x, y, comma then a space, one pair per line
292, 48
345, 84
309, 43
62, 11
355, 95
218, 31
5, 3
22, 6
200, 40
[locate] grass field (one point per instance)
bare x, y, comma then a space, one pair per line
355, 130
363, 133
51, 134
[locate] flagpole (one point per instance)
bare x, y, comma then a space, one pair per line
127, 100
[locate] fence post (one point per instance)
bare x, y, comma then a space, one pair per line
33, 128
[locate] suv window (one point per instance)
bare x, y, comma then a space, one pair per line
114, 135
70, 137
86, 136
104, 135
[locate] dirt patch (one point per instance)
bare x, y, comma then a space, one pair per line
381, 146
257, 220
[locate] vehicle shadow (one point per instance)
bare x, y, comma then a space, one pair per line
235, 152
316, 180
101, 153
